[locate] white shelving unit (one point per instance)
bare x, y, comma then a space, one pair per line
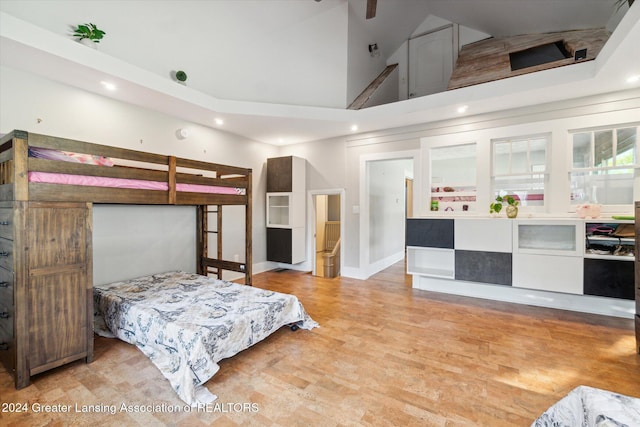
603, 246
285, 210
432, 262
463, 194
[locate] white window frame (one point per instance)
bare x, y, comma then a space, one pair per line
545, 172
635, 166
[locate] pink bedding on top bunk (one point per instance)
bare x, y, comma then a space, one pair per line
99, 181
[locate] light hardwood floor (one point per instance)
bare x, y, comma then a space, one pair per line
385, 354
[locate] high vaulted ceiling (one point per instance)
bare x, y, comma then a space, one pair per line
502, 18
34, 37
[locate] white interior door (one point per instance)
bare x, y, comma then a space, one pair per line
431, 59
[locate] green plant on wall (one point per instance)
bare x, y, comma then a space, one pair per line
496, 206
181, 76
88, 31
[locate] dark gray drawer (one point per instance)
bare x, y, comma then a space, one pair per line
430, 233
484, 267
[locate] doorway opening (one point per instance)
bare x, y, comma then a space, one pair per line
385, 184
327, 233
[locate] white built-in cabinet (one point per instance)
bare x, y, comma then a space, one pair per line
584, 265
547, 255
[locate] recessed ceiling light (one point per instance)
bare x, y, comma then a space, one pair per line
634, 79
219, 121
354, 128
463, 109
108, 86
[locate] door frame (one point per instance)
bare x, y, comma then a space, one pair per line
366, 269
311, 223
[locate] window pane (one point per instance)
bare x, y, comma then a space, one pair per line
614, 187
522, 173
603, 148
626, 143
453, 177
501, 158
520, 157
528, 189
582, 150
537, 154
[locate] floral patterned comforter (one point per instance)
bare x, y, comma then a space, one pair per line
186, 323
587, 406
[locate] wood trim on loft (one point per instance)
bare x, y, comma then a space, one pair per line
488, 60
361, 100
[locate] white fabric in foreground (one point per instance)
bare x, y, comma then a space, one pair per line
591, 407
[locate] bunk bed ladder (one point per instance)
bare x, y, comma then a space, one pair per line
215, 266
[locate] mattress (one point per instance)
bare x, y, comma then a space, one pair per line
186, 323
99, 181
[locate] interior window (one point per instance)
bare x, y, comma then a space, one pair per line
453, 178
519, 167
603, 166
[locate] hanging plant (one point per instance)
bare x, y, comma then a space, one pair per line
88, 32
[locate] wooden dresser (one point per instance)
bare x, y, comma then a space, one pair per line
46, 301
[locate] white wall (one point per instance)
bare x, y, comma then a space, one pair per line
387, 207
362, 67
165, 240
38, 105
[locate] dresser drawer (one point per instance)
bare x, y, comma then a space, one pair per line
6, 254
7, 342
6, 283
6, 223
6, 321
6, 294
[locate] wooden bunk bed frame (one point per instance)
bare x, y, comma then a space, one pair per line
46, 267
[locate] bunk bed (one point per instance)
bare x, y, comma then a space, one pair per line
48, 186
